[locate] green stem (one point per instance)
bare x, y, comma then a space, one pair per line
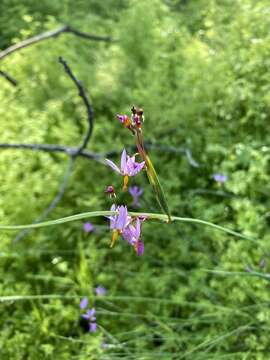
150, 216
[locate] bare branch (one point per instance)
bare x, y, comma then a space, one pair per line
73, 153
51, 34
70, 151
8, 78
44, 36
82, 94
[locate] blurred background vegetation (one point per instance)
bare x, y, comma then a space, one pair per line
200, 70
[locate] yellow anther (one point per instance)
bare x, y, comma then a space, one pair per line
125, 183
115, 235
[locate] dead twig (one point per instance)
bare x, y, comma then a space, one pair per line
44, 36
72, 152
8, 78
51, 34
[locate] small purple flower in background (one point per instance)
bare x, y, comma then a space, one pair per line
135, 191
91, 318
100, 290
88, 227
220, 178
83, 303
129, 167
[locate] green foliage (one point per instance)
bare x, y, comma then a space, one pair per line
200, 69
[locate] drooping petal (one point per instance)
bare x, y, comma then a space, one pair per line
123, 161
138, 228
128, 234
113, 166
140, 248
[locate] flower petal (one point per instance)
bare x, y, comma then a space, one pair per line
140, 248
93, 327
138, 228
113, 166
123, 160
122, 218
138, 167
83, 303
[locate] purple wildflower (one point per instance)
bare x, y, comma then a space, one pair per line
88, 227
83, 303
220, 178
100, 290
118, 222
121, 220
122, 224
91, 318
129, 167
135, 191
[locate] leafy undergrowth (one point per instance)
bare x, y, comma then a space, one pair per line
200, 69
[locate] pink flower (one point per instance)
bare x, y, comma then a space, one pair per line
118, 222
121, 220
129, 166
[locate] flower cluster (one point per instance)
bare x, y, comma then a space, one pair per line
126, 226
133, 123
121, 223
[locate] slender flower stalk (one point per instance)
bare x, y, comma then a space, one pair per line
149, 216
135, 123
